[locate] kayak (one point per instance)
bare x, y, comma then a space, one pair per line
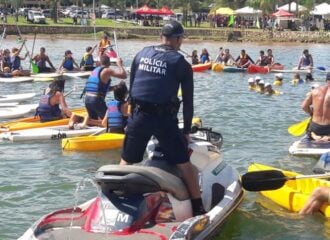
291, 70
149, 201
16, 97
201, 67
10, 104
46, 75
103, 141
16, 79
295, 193
16, 111
34, 122
77, 74
48, 133
106, 141
307, 147
233, 69
257, 69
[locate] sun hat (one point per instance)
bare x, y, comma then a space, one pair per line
267, 84
257, 78
250, 80
173, 29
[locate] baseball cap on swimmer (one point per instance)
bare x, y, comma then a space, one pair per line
257, 78
261, 82
266, 84
251, 80
279, 75
328, 77
173, 29
315, 85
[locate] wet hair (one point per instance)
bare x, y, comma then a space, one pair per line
105, 60
309, 77
14, 49
297, 76
88, 49
262, 51
57, 85
43, 49
120, 91
67, 52
305, 51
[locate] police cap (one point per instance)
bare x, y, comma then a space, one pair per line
173, 29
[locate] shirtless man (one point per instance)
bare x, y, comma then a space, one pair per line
317, 104
41, 60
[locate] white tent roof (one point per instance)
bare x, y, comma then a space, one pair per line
103, 6
293, 7
321, 9
248, 10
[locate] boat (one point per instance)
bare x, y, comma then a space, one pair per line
16, 97
48, 133
77, 74
263, 69
201, 67
294, 193
34, 122
16, 111
149, 201
308, 147
105, 141
15, 79
233, 69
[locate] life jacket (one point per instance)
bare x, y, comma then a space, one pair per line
15, 63
68, 64
7, 62
104, 43
277, 83
306, 61
46, 111
204, 58
243, 59
87, 60
115, 117
264, 61
155, 75
94, 84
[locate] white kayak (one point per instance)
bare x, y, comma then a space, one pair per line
16, 111
77, 74
291, 70
9, 104
16, 97
308, 147
16, 79
49, 133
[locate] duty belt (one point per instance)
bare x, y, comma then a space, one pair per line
151, 108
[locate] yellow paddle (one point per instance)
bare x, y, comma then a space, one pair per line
299, 129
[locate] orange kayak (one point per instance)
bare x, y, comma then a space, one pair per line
201, 67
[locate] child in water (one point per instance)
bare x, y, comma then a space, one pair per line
297, 79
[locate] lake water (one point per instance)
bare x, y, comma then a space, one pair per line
37, 178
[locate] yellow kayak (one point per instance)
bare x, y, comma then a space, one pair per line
34, 122
103, 141
294, 193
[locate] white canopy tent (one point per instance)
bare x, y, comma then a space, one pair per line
321, 9
293, 7
248, 11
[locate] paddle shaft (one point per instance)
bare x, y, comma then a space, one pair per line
184, 52
2, 36
115, 38
326, 175
34, 41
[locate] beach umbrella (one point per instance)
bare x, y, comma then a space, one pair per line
225, 11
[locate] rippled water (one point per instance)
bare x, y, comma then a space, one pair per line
37, 178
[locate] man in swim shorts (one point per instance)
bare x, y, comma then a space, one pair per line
317, 105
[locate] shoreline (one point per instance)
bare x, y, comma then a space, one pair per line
152, 33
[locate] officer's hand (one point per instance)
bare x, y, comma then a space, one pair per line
188, 138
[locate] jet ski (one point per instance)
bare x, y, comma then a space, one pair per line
150, 200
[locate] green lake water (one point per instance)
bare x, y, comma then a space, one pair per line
37, 178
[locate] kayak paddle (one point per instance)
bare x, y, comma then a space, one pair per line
271, 180
299, 129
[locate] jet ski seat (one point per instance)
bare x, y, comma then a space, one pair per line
132, 179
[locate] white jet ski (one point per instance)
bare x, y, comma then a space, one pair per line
150, 200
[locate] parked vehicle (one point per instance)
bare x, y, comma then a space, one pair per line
47, 13
35, 17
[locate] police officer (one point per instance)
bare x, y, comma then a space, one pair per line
97, 86
156, 74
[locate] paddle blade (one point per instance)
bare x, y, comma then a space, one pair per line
299, 129
263, 180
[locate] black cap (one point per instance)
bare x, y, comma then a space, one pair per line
328, 76
173, 29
